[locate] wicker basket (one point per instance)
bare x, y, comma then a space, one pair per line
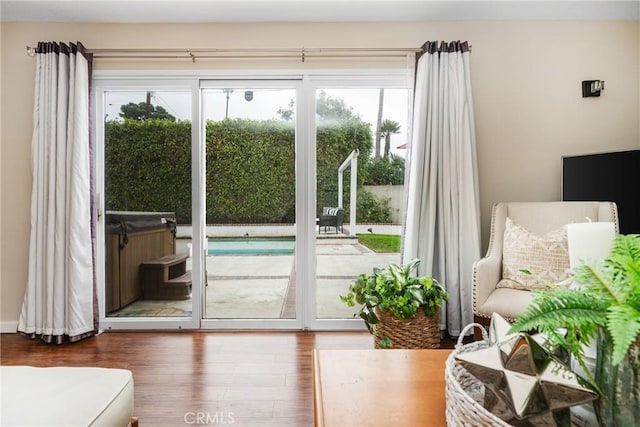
420, 332
464, 393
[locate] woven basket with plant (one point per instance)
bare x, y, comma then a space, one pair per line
400, 309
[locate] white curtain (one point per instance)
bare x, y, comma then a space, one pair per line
60, 302
442, 226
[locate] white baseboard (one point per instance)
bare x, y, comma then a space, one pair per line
8, 327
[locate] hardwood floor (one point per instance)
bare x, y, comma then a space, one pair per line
225, 378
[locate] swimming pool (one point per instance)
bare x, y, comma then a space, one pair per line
250, 246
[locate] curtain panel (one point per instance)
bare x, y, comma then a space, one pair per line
60, 299
442, 226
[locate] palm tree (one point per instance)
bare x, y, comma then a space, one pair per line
228, 92
379, 123
388, 128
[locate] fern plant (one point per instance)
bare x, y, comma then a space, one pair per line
396, 290
608, 297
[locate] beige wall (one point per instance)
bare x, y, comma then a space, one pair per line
526, 86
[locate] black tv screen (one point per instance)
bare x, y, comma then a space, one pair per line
605, 177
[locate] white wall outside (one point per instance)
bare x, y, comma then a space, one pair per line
395, 194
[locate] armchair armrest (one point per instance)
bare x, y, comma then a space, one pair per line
487, 272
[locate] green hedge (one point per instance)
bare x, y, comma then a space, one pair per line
148, 167
335, 141
372, 208
385, 171
250, 172
250, 168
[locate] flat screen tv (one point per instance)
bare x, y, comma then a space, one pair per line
603, 177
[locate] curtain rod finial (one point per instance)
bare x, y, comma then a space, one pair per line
31, 51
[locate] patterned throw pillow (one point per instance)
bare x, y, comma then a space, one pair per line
330, 211
547, 257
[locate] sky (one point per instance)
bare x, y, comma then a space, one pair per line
265, 102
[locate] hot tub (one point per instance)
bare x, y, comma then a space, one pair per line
131, 239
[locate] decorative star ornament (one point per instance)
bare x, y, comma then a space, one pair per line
499, 332
526, 384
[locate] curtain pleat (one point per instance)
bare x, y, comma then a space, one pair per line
60, 299
442, 216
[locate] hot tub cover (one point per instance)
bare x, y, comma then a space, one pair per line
123, 222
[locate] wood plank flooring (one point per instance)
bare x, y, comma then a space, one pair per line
238, 378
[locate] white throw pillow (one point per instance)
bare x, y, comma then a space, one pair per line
547, 257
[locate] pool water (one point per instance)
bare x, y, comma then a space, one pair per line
250, 246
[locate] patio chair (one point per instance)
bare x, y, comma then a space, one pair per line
331, 217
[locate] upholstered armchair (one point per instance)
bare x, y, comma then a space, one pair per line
535, 240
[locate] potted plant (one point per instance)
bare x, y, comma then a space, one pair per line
605, 307
399, 308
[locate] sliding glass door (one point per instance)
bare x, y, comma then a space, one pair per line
246, 203
250, 242
361, 134
147, 215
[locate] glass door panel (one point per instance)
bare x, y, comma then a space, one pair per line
148, 202
349, 243
250, 201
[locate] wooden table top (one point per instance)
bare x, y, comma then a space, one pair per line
379, 387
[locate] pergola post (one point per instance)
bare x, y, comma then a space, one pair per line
351, 160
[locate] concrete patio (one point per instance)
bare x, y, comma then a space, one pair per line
264, 286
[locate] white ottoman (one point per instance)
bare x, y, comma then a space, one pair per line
66, 396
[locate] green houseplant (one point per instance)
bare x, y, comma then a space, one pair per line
605, 307
399, 308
